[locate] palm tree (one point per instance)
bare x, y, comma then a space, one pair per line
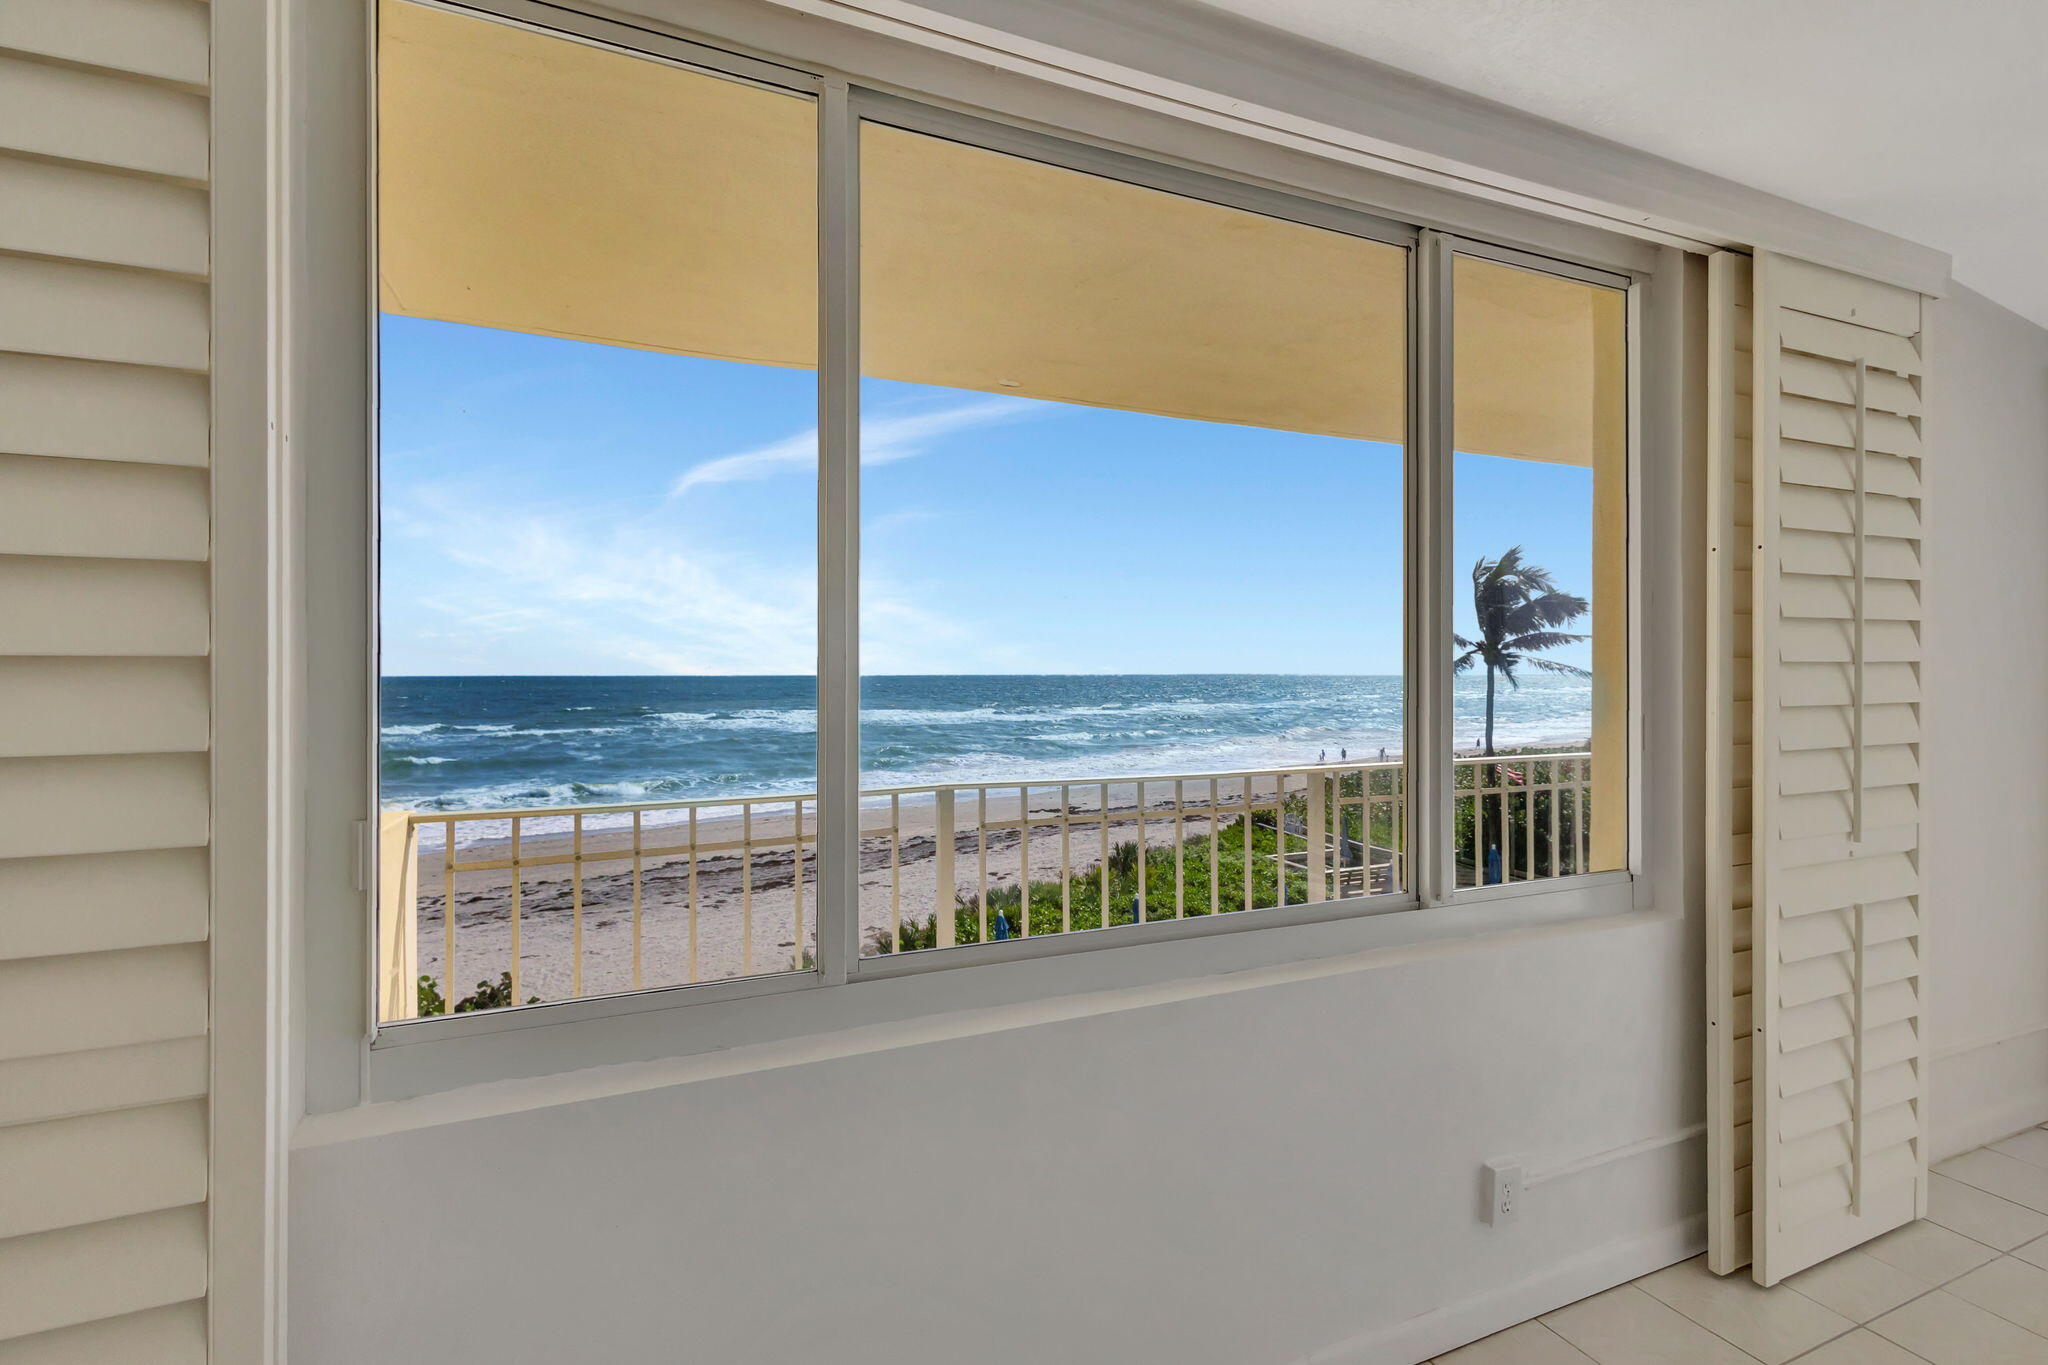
1519, 610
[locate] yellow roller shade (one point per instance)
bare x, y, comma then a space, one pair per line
542, 185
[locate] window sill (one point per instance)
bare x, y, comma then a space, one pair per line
423, 1074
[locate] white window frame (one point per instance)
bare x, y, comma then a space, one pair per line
420, 1057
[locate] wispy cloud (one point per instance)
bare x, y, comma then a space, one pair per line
882, 440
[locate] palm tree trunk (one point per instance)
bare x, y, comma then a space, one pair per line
1489, 710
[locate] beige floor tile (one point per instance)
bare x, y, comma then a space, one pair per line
1625, 1326
1528, 1343
1996, 1173
1982, 1217
1774, 1325
2011, 1288
1943, 1329
1929, 1253
1857, 1285
2034, 1253
2030, 1146
1860, 1347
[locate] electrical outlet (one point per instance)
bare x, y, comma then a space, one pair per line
1503, 1192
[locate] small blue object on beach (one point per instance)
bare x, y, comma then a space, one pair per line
1002, 926
1492, 865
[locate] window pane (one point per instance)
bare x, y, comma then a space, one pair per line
1131, 509
598, 489
1540, 575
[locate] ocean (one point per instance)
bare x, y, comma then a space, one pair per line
480, 743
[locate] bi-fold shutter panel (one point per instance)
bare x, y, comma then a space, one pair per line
104, 687
1817, 733
1730, 969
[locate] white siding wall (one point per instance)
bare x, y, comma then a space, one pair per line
104, 724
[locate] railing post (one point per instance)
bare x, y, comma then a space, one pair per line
1319, 837
398, 939
942, 864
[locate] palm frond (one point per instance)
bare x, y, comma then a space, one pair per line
1553, 666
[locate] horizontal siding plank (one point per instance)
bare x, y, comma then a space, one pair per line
101, 902
88, 312
68, 1172
51, 1005
36, 1088
102, 1270
103, 706
54, 606
102, 509
102, 804
84, 410
103, 120
166, 39
83, 214
172, 1335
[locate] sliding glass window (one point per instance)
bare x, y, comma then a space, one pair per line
824, 536
598, 413
1131, 595
1539, 575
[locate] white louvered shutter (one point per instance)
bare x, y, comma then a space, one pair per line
1830, 978
1730, 971
104, 688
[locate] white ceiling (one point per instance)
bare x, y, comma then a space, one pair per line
1925, 119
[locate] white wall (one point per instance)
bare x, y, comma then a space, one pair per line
1249, 1177
1268, 1175
1986, 776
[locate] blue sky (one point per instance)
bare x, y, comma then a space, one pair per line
560, 507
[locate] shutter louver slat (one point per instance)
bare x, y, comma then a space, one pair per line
1837, 1119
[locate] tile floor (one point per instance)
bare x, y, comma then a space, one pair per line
1967, 1286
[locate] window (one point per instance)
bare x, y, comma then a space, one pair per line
1110, 498
1540, 574
1132, 594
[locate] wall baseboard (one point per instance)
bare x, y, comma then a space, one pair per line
1991, 1124
1455, 1324
1988, 1090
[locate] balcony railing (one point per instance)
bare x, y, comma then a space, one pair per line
551, 903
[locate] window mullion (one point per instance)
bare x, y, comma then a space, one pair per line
838, 846
1432, 831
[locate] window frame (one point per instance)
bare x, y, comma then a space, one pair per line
842, 103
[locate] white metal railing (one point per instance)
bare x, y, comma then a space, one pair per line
1524, 817
562, 902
